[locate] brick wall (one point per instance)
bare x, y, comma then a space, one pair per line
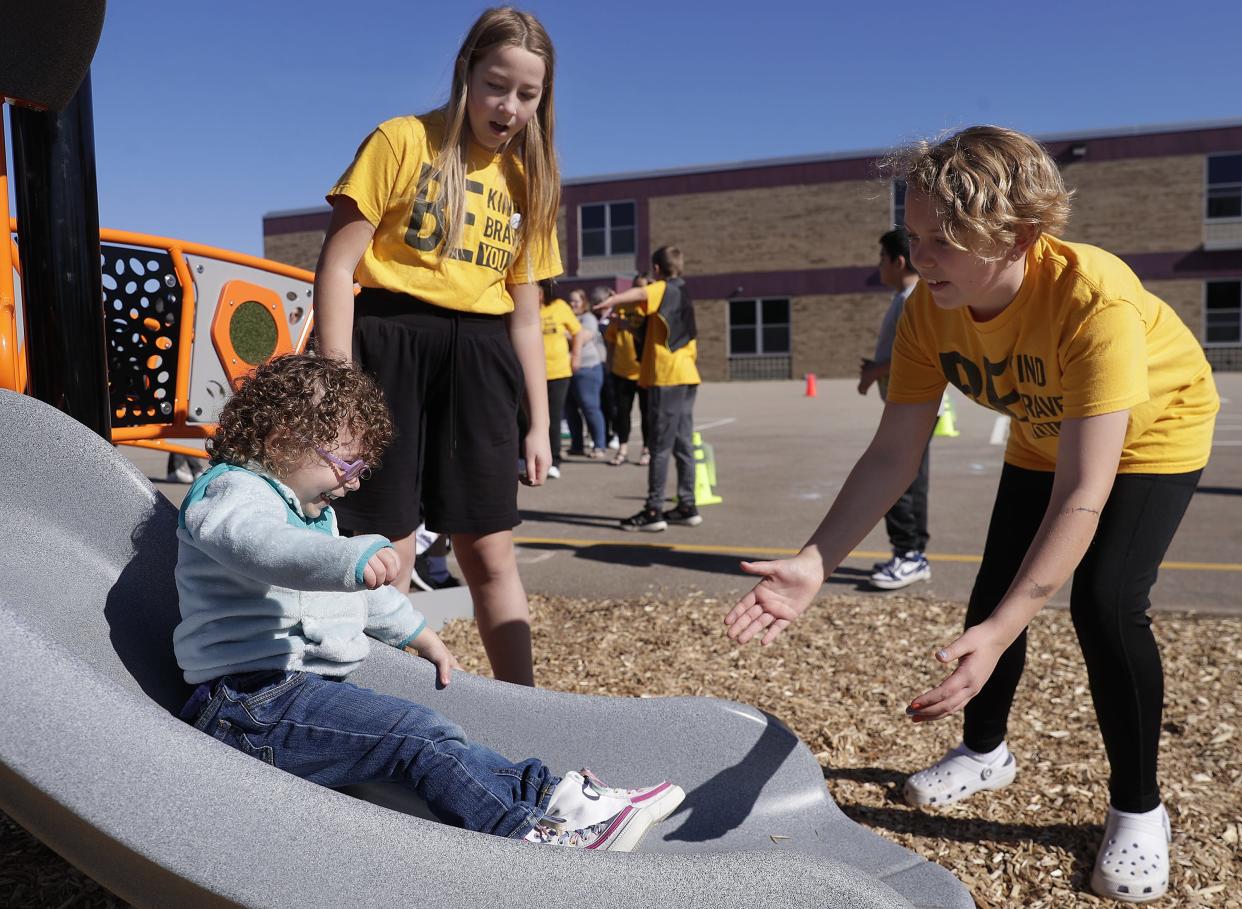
298, 249
1138, 205
786, 227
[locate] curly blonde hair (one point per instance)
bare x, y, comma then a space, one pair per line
986, 183
290, 404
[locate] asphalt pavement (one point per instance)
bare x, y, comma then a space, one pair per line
780, 459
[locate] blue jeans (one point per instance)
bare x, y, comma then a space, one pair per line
584, 395
337, 734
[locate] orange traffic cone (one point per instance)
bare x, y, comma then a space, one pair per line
810, 385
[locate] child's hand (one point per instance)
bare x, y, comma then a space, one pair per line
429, 646
381, 569
538, 458
976, 652
784, 594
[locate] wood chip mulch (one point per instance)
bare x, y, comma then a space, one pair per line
840, 678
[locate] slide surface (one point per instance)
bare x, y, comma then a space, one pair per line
94, 763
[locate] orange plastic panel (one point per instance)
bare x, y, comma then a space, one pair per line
248, 328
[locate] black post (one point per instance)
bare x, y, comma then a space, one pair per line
58, 242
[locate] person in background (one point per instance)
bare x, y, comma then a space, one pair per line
586, 385
906, 521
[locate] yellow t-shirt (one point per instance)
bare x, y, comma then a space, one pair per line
620, 340
559, 325
1081, 338
406, 253
661, 366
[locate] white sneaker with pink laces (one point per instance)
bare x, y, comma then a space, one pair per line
583, 800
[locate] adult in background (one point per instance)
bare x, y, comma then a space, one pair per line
586, 384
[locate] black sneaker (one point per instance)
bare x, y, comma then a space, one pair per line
649, 520
422, 579
684, 514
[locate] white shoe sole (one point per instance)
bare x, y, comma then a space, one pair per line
686, 522
959, 777
653, 527
662, 801
899, 583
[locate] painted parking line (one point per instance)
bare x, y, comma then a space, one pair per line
774, 551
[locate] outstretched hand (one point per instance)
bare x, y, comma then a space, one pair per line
976, 653
784, 592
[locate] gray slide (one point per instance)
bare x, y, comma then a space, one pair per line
94, 763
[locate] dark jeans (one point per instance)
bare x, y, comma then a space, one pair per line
337, 734
1108, 604
906, 521
623, 392
672, 424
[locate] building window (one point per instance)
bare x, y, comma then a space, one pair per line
1224, 186
607, 229
1222, 316
899, 203
758, 327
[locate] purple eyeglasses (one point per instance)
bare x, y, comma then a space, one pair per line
350, 470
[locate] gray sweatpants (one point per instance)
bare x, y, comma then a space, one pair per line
670, 412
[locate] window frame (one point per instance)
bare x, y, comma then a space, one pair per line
759, 325
893, 206
1207, 189
1238, 312
608, 251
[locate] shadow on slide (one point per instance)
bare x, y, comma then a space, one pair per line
94, 763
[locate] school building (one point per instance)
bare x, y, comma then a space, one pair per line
781, 253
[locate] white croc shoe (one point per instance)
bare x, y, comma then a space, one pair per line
956, 776
1133, 863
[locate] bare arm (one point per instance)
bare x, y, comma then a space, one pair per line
348, 236
633, 295
526, 335
877, 480
1087, 457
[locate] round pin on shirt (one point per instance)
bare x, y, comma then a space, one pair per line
516, 221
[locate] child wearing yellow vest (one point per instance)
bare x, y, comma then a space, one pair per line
1111, 406
447, 221
668, 371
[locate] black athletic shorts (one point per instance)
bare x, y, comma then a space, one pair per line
453, 384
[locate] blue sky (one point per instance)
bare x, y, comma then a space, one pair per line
209, 115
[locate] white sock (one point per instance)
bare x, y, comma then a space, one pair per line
996, 756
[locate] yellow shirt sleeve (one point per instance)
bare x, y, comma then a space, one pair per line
655, 296
370, 178
1105, 363
915, 374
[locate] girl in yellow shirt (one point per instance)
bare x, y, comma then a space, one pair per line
1111, 406
448, 221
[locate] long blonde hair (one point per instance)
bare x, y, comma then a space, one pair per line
539, 197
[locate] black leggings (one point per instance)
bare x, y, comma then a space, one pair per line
623, 391
1108, 604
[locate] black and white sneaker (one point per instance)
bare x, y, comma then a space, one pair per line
684, 514
649, 520
902, 570
423, 577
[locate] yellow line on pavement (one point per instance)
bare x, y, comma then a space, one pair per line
775, 551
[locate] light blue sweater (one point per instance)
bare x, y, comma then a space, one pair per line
264, 587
